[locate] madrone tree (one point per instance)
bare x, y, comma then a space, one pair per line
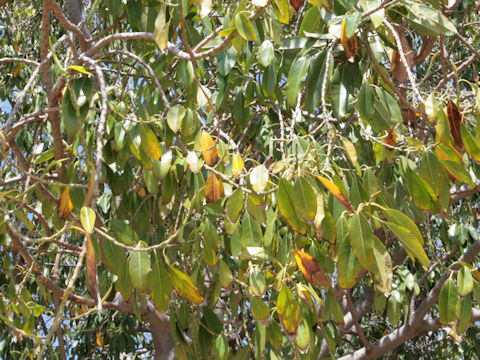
239, 179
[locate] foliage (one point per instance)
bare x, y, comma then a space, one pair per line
244, 179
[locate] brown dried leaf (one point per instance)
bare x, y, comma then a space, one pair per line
454, 120
391, 139
296, 4
92, 271
213, 189
310, 268
65, 205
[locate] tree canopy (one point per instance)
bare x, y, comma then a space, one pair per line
264, 179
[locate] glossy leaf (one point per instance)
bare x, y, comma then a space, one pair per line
447, 302
184, 286
287, 208
150, 143
304, 199
259, 178
244, 26
175, 117
234, 205
381, 267
297, 73
139, 267
310, 269
213, 189
237, 165
288, 310
464, 281
209, 149
336, 192
65, 205
361, 239
161, 286
348, 265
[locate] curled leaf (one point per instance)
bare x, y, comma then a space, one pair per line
209, 149
391, 139
65, 205
350, 45
310, 268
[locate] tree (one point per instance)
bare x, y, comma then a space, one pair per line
240, 179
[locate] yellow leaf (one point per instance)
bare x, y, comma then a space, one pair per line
80, 69
335, 190
350, 45
184, 286
213, 189
237, 165
209, 149
288, 310
16, 70
150, 144
310, 268
99, 339
65, 205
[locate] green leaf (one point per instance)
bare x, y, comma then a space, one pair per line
464, 313
472, 146
87, 218
365, 101
184, 286
288, 310
111, 254
139, 268
71, 120
265, 53
297, 73
303, 336
447, 302
161, 286
126, 234
260, 310
381, 267
361, 239
234, 205
251, 232
160, 33
394, 310
433, 172
464, 281
304, 199
244, 26
257, 281
124, 283
175, 117
390, 105
314, 81
348, 265
287, 208
421, 192
282, 10
340, 89
429, 21
377, 16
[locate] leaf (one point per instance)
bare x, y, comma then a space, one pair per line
472, 146
184, 286
365, 101
454, 120
80, 69
209, 149
447, 302
175, 117
348, 265
139, 268
259, 178
350, 44
431, 106
381, 267
434, 173
464, 313
361, 239
297, 73
377, 16
234, 205
160, 32
304, 199
213, 189
282, 10
350, 150
244, 26
91, 264
150, 144
464, 281
288, 310
336, 192
442, 129
296, 4
259, 3
287, 208
205, 7
251, 232
310, 268
421, 192
314, 80
124, 283
431, 21
237, 165
413, 247
257, 282
391, 139
161, 286
65, 205
265, 53
87, 218
260, 310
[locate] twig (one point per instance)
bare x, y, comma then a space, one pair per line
361, 335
